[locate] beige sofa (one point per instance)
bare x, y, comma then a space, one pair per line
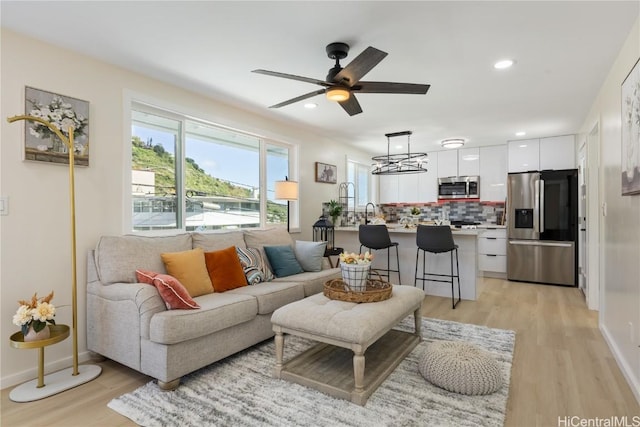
128, 321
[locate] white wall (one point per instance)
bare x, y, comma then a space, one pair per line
620, 241
35, 236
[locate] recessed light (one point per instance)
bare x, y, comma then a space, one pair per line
310, 105
502, 64
522, 145
521, 133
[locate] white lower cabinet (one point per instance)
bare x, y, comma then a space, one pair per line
492, 250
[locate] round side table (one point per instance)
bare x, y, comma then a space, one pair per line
58, 333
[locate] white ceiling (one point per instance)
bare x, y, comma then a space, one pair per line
562, 50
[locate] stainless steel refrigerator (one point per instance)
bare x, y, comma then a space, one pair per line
542, 218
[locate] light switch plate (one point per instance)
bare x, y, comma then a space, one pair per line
4, 205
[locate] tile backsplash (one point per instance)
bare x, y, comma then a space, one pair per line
491, 212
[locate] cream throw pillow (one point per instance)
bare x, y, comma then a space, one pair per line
190, 269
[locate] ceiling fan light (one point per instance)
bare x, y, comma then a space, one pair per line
452, 143
337, 94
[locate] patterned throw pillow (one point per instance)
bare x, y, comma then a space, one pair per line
254, 266
172, 292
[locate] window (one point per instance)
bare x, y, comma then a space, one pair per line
359, 174
193, 175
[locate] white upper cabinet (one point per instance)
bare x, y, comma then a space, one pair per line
493, 173
388, 188
558, 152
447, 163
408, 188
428, 181
468, 162
524, 155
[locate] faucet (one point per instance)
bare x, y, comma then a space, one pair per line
366, 215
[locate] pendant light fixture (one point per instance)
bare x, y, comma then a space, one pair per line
401, 163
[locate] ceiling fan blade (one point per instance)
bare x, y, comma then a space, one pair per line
293, 77
361, 65
299, 98
390, 87
351, 105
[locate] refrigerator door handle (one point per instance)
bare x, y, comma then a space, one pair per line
541, 204
540, 243
536, 206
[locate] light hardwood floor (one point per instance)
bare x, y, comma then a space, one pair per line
562, 365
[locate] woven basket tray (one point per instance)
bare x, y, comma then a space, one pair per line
377, 290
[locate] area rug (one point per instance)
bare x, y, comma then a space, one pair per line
239, 391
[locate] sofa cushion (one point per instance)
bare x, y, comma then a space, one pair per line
225, 270
272, 295
173, 293
218, 311
283, 261
218, 240
118, 257
269, 237
310, 254
312, 281
190, 269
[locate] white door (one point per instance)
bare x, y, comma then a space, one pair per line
583, 266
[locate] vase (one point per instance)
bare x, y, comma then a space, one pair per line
57, 146
32, 335
355, 275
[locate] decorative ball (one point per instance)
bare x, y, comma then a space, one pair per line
461, 368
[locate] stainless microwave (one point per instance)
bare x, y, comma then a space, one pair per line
459, 187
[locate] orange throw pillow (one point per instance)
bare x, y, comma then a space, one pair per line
174, 295
189, 268
225, 270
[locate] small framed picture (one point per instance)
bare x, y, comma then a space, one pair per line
326, 173
43, 145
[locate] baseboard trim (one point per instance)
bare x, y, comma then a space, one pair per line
633, 382
29, 374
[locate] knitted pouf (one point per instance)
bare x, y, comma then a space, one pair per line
460, 367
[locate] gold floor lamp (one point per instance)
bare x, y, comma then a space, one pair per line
77, 375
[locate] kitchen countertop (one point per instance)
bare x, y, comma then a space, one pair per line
397, 228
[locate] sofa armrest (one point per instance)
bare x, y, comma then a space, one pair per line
119, 316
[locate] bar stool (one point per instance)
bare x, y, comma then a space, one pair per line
376, 237
436, 240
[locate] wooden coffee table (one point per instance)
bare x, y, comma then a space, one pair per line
345, 331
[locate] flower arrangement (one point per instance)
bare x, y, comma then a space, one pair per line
61, 115
353, 258
37, 313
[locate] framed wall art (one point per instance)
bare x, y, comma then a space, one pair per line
41, 144
631, 132
326, 173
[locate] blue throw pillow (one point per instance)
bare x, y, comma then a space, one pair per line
283, 261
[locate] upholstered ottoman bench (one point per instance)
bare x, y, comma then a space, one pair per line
345, 331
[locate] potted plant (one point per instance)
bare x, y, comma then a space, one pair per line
335, 210
33, 317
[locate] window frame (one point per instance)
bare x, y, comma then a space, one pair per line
358, 164
154, 106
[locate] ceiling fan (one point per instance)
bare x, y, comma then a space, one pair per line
341, 84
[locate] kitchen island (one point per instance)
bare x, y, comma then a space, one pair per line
347, 238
